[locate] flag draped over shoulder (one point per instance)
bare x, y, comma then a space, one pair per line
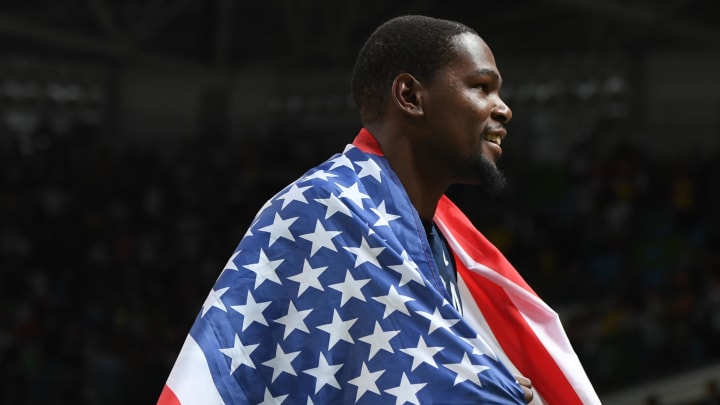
333, 296
524, 331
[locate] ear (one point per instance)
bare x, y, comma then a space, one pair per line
407, 95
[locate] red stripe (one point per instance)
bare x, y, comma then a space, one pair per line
476, 245
167, 397
367, 142
517, 339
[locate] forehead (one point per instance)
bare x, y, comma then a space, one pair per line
473, 55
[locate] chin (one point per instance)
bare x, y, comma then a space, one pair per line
493, 189
489, 176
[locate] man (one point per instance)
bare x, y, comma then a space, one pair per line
361, 282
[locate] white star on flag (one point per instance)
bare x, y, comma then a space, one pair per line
408, 270
350, 288
384, 217
300, 331
394, 301
319, 174
369, 168
324, 373
239, 354
353, 194
338, 330
466, 371
334, 205
422, 353
230, 265
379, 340
320, 238
281, 363
252, 311
365, 254
366, 381
437, 320
264, 269
280, 228
295, 193
341, 161
213, 300
271, 400
406, 392
294, 320
309, 277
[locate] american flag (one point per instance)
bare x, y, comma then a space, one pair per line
333, 296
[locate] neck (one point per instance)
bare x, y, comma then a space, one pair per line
409, 162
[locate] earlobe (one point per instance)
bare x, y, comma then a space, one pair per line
407, 95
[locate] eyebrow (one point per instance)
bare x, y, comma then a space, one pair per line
487, 72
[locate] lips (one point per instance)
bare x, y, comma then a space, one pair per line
494, 138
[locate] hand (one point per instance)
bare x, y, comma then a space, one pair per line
526, 385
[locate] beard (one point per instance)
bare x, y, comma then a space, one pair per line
486, 174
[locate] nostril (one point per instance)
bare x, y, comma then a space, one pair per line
502, 114
501, 117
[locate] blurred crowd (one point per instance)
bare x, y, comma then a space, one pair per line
108, 253
626, 248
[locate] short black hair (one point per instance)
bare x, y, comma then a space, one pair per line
413, 44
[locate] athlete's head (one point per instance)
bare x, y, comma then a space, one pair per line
412, 44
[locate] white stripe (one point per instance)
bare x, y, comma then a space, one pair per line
190, 378
473, 315
544, 322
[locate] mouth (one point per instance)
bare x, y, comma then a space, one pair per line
493, 138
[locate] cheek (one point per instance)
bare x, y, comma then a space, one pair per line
473, 112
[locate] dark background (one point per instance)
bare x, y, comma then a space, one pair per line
138, 139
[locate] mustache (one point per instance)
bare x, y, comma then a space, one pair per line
494, 128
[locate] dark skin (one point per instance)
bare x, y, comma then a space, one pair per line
434, 134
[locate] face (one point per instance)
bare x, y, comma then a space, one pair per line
465, 115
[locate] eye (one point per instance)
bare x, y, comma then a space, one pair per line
483, 87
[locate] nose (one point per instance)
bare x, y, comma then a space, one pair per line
501, 112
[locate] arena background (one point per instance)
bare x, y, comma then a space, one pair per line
138, 139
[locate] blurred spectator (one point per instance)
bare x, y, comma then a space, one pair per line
712, 394
106, 250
